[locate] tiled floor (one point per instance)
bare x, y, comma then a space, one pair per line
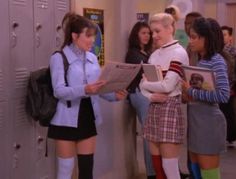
228, 162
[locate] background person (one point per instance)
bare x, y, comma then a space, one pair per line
189, 19
229, 108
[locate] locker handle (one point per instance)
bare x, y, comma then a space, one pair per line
38, 40
37, 36
15, 25
13, 39
17, 146
38, 26
40, 139
13, 34
58, 27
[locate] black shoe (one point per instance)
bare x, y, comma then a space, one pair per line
151, 177
184, 175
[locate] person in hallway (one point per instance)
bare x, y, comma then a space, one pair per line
193, 59
228, 108
206, 123
228, 40
164, 127
139, 50
189, 18
73, 126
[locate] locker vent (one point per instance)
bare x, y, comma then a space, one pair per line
42, 4
62, 5
21, 78
20, 2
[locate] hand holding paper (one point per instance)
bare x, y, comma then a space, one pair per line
94, 87
118, 76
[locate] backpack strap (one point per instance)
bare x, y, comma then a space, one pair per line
66, 67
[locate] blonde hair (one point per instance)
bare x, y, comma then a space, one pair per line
163, 18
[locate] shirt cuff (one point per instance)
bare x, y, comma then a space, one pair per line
191, 92
80, 90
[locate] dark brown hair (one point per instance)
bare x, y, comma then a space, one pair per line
193, 14
229, 29
210, 30
75, 23
134, 41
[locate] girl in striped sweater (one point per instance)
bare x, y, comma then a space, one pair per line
206, 123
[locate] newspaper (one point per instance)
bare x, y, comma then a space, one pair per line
118, 76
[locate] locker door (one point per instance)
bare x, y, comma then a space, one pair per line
61, 8
21, 54
4, 79
44, 36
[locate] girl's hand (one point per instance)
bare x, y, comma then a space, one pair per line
185, 86
185, 97
121, 94
94, 87
159, 97
144, 78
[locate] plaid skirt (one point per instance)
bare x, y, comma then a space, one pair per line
165, 122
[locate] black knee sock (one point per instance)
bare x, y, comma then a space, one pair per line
85, 164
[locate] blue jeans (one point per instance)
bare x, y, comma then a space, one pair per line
141, 104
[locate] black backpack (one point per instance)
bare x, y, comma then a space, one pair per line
40, 101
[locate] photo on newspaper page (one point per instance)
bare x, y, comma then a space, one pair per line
199, 78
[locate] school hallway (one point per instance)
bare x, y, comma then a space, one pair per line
228, 161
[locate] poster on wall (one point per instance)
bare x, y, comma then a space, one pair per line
143, 17
97, 16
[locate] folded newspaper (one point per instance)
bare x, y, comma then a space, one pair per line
118, 76
199, 77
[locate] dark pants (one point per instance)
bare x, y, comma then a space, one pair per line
228, 110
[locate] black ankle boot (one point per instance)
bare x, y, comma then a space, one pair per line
151, 177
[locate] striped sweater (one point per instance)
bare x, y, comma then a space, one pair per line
222, 91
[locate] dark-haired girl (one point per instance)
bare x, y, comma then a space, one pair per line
206, 123
73, 126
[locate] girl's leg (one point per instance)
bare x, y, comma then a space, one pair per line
157, 160
195, 168
66, 150
170, 153
209, 165
85, 151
